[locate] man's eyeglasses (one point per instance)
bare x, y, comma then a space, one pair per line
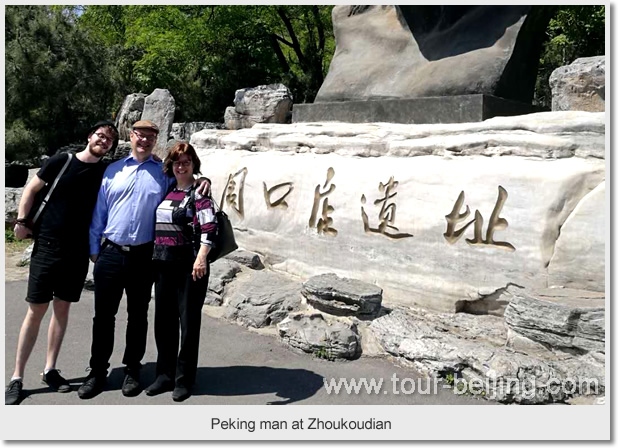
185, 163
141, 136
103, 137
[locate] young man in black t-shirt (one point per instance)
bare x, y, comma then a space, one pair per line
60, 257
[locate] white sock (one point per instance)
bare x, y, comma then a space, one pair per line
46, 371
17, 378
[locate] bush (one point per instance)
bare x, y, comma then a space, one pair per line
20, 142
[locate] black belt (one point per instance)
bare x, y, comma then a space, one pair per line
128, 248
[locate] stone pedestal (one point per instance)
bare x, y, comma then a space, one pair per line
428, 110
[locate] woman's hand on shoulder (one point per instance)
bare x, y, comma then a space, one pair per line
203, 187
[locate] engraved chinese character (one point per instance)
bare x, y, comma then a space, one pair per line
281, 202
325, 222
235, 182
495, 223
387, 212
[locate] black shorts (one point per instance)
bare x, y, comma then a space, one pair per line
56, 271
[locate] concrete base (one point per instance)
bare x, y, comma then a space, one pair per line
439, 109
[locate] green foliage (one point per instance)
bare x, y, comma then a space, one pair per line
56, 80
12, 245
20, 142
9, 236
203, 54
574, 32
68, 66
324, 353
449, 378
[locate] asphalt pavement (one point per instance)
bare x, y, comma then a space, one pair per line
237, 366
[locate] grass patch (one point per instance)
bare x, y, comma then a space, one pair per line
12, 244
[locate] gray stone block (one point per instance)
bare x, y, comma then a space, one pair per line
559, 325
342, 296
440, 109
579, 86
264, 299
312, 333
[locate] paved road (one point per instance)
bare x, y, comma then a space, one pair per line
236, 366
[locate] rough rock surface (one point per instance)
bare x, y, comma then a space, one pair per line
312, 333
493, 303
579, 254
262, 104
342, 296
579, 86
122, 151
12, 196
414, 51
222, 272
262, 298
473, 347
25, 257
159, 107
545, 135
130, 112
246, 258
184, 131
536, 172
570, 324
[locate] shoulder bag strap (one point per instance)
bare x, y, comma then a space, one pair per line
195, 227
44, 203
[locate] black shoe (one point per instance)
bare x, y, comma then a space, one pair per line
181, 393
14, 393
92, 387
55, 381
130, 385
162, 384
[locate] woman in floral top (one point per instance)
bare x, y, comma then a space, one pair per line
186, 225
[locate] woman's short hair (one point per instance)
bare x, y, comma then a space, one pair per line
174, 154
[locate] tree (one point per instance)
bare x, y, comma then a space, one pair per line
574, 32
202, 54
56, 83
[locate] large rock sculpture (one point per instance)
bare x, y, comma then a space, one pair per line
579, 86
435, 215
262, 104
411, 51
130, 112
159, 107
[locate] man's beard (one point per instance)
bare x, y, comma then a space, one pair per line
96, 151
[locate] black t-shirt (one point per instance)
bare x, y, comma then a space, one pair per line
68, 213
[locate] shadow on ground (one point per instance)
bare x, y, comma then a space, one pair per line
290, 384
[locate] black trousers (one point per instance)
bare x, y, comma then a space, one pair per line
178, 305
114, 272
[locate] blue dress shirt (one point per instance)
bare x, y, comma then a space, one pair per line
127, 202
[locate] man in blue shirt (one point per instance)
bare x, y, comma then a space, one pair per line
124, 216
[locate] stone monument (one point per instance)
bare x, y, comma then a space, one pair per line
430, 64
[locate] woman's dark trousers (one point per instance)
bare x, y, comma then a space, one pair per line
178, 306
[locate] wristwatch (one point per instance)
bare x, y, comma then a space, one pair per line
22, 221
